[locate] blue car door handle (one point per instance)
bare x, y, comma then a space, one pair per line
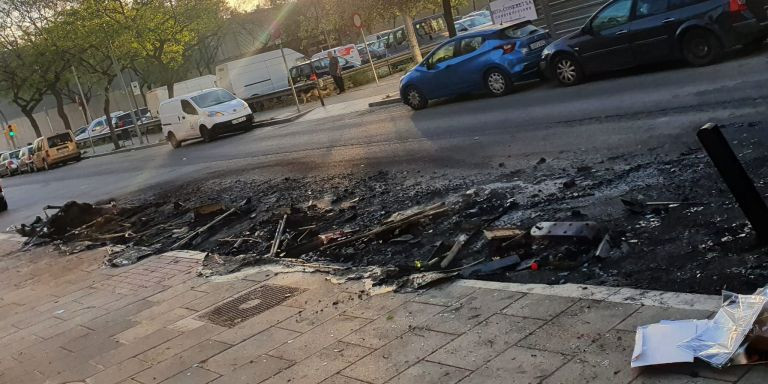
668, 20
619, 33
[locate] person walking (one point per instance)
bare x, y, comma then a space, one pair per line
335, 69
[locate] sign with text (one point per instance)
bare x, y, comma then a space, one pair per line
512, 11
136, 88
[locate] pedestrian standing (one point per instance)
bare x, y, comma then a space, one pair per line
335, 69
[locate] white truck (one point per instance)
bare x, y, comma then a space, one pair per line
158, 95
258, 78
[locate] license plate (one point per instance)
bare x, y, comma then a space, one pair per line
538, 44
60, 150
238, 121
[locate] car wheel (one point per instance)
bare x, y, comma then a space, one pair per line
701, 48
175, 143
567, 70
497, 83
205, 133
3, 205
415, 98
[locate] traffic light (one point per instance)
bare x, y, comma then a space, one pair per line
12, 130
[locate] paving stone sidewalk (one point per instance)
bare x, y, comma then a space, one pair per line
65, 319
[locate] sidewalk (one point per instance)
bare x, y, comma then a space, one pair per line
354, 100
66, 319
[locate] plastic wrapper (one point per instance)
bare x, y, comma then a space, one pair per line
720, 340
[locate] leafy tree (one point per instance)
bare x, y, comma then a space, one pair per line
29, 67
169, 35
94, 38
407, 9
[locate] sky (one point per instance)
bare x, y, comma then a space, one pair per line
244, 5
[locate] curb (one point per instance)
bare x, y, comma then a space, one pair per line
609, 294
289, 119
123, 150
382, 103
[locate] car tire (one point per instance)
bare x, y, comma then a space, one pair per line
206, 134
3, 205
415, 98
701, 48
567, 70
497, 83
173, 141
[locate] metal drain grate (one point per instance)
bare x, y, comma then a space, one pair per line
257, 300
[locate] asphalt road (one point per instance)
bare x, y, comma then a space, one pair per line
658, 108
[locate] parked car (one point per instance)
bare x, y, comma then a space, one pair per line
627, 33
54, 150
484, 14
320, 67
98, 126
3, 170
348, 52
429, 30
27, 160
10, 161
487, 60
205, 114
377, 49
471, 24
3, 201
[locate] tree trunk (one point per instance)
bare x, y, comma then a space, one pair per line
112, 133
448, 15
170, 90
60, 108
412, 41
29, 114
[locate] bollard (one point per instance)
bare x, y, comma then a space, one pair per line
736, 178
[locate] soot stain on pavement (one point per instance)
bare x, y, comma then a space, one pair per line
695, 240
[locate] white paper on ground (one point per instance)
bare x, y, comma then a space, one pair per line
657, 343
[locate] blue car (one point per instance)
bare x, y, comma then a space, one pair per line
490, 59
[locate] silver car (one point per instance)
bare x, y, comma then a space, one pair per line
9, 163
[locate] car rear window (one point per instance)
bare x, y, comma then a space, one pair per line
60, 139
520, 30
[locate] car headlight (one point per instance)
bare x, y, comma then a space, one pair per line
215, 114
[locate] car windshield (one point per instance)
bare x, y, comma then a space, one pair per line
520, 30
58, 140
473, 22
209, 99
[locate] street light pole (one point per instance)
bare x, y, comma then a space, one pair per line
125, 89
370, 59
290, 79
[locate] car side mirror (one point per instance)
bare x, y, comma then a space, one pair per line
587, 29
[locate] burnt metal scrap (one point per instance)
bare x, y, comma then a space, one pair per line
645, 221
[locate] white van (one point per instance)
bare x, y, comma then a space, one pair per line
349, 52
204, 114
158, 95
256, 75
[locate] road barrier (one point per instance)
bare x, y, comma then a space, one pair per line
123, 134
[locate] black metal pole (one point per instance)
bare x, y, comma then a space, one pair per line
736, 178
